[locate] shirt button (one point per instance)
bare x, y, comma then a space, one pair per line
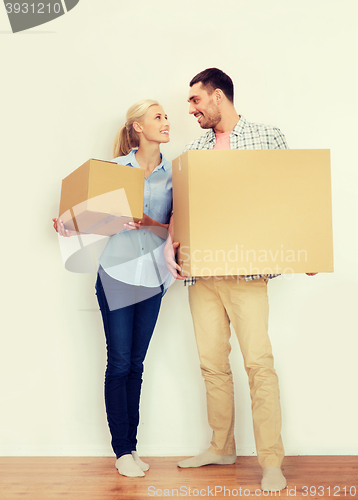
146, 205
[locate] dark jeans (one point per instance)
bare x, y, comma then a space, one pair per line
128, 331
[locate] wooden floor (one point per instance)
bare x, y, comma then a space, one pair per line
95, 478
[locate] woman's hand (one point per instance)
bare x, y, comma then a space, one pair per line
144, 222
60, 228
152, 225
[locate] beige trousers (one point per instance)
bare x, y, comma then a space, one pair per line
214, 303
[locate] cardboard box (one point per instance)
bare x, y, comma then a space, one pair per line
243, 212
100, 196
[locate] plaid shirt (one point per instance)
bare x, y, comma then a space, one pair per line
245, 135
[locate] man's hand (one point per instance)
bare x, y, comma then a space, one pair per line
60, 228
170, 251
311, 274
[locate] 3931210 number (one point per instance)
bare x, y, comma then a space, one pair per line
334, 491
33, 8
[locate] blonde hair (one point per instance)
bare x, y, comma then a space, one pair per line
127, 138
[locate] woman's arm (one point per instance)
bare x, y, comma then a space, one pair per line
60, 228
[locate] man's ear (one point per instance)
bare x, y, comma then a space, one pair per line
137, 127
218, 96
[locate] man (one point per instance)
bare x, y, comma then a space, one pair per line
216, 302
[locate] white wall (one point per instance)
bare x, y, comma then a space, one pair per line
65, 88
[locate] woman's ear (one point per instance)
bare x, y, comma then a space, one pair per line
137, 127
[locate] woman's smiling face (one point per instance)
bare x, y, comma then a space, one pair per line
154, 125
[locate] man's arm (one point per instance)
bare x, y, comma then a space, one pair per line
279, 140
280, 143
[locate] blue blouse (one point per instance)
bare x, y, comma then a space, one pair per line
136, 256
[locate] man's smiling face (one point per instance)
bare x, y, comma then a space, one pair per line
203, 106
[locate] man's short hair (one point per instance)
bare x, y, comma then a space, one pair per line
213, 78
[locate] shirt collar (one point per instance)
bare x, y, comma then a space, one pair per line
164, 164
237, 130
210, 134
239, 127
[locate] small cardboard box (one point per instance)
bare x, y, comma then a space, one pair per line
243, 212
100, 196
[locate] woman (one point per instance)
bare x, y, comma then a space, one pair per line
131, 279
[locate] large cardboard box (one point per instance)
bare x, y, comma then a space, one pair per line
242, 212
100, 196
